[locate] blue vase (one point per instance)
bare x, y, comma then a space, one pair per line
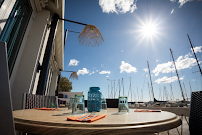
94, 99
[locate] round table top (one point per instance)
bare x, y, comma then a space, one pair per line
55, 122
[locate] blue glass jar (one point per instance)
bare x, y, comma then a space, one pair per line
94, 99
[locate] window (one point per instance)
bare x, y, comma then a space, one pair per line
14, 30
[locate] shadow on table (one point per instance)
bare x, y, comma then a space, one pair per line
119, 113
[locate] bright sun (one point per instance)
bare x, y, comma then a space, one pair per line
149, 29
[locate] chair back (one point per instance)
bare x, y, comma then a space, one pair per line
195, 113
38, 101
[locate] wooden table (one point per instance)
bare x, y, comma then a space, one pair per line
55, 122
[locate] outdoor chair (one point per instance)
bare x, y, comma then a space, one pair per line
195, 113
38, 101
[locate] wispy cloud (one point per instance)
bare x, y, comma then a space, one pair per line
83, 71
182, 2
172, 11
181, 63
157, 60
197, 49
118, 6
127, 68
145, 69
73, 62
102, 65
107, 76
165, 79
104, 72
91, 73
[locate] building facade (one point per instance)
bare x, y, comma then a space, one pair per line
27, 28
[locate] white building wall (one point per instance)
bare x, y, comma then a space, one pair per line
29, 59
24, 77
53, 83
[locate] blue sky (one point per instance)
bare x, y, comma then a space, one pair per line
135, 32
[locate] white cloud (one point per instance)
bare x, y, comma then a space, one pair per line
107, 76
118, 6
185, 62
157, 60
145, 69
181, 63
127, 68
96, 71
83, 71
104, 72
165, 79
73, 62
163, 68
91, 73
102, 65
197, 49
182, 2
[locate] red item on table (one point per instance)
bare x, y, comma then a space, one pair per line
145, 110
44, 108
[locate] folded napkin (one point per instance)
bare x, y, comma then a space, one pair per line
44, 108
86, 118
145, 110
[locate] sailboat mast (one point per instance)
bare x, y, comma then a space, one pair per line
190, 90
149, 92
138, 95
123, 86
160, 94
119, 88
171, 91
185, 91
142, 95
114, 90
150, 79
194, 54
108, 91
177, 74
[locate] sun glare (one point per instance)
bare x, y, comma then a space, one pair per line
149, 29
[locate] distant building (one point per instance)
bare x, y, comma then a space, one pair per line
65, 96
25, 25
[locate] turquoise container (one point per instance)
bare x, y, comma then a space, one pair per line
94, 99
79, 105
123, 104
